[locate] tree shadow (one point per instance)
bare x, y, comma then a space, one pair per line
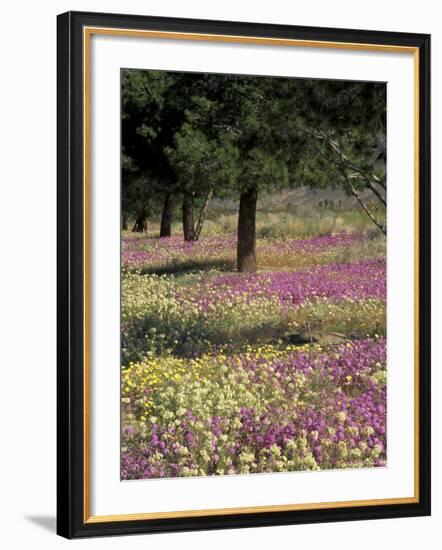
48, 523
189, 266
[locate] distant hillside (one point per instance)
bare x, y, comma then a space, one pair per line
301, 199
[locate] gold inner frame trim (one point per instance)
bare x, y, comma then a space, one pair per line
87, 34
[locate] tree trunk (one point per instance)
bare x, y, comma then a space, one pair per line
246, 252
167, 215
188, 223
140, 225
202, 216
124, 222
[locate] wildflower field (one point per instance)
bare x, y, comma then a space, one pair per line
235, 373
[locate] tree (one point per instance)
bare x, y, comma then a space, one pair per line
152, 111
353, 173
167, 215
135, 195
252, 154
280, 123
345, 130
203, 165
198, 135
165, 158
229, 146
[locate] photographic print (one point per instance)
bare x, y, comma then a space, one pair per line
253, 274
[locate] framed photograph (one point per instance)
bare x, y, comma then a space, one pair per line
243, 274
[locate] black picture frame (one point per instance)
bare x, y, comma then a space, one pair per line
71, 497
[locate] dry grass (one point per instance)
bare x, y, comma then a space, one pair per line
312, 222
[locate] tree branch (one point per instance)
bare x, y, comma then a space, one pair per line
363, 205
341, 167
376, 192
368, 178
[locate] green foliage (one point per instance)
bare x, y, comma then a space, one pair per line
189, 133
150, 117
201, 163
